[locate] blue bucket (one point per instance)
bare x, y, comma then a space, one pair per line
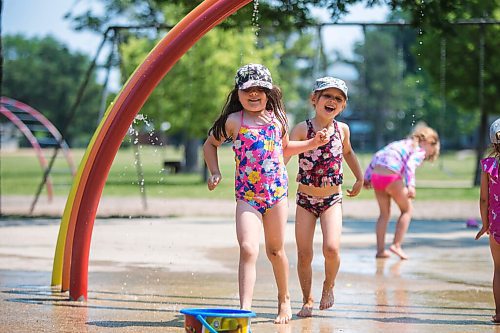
217, 320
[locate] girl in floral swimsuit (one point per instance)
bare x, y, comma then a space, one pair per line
254, 120
489, 205
319, 193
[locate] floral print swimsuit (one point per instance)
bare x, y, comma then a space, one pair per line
261, 178
321, 167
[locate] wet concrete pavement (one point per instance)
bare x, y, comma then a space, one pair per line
143, 271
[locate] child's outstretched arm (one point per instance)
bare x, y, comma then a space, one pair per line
352, 161
298, 142
483, 205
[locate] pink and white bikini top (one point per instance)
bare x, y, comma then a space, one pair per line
322, 166
400, 156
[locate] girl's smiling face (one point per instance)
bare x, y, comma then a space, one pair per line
253, 99
329, 102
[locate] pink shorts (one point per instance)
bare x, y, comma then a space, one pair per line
380, 182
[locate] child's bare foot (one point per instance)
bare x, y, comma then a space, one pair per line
398, 251
327, 298
382, 255
284, 312
495, 319
307, 309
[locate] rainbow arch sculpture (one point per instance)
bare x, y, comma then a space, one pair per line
70, 269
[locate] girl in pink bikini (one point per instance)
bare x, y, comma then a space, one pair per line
391, 174
489, 204
254, 119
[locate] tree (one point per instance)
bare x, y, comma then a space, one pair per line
274, 16
299, 65
191, 97
378, 97
44, 74
471, 75
435, 20
216, 50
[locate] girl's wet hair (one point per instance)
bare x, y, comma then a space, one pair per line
422, 133
233, 105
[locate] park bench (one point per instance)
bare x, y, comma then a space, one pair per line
172, 166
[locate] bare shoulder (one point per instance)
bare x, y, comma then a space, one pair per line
343, 127
233, 123
299, 131
344, 131
234, 118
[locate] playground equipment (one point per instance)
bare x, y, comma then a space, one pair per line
70, 268
30, 122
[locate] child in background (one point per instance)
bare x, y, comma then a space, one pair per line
254, 119
319, 194
489, 205
391, 174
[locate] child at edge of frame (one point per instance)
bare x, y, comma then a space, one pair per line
489, 206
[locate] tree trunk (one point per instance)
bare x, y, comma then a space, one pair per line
379, 130
481, 145
191, 155
205, 172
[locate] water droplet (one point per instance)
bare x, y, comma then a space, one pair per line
255, 20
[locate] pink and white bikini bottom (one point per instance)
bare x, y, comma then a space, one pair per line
380, 182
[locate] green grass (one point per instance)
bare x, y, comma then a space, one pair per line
450, 178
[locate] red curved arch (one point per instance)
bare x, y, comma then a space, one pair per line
34, 143
118, 118
46, 123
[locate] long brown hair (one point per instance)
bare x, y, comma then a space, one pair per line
233, 105
494, 150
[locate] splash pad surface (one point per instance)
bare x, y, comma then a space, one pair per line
142, 274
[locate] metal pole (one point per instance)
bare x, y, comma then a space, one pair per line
481, 145
104, 92
442, 88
